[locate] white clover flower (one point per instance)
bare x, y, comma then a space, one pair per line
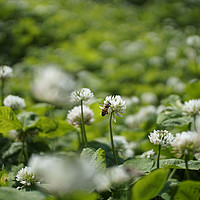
161, 137
113, 175
122, 147
149, 98
197, 156
74, 116
63, 176
6, 72
186, 143
148, 154
144, 114
83, 94
26, 176
191, 107
116, 105
52, 84
193, 40
14, 102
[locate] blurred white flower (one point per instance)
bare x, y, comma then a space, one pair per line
114, 175
26, 176
148, 154
193, 40
6, 72
156, 61
131, 100
63, 175
14, 102
197, 156
74, 116
186, 143
191, 107
161, 137
144, 114
83, 94
53, 85
117, 105
176, 84
123, 147
149, 98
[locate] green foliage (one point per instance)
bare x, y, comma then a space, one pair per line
142, 164
150, 185
8, 120
3, 177
188, 190
95, 158
13, 193
172, 116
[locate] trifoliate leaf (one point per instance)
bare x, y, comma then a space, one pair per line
8, 120
13, 149
3, 177
149, 186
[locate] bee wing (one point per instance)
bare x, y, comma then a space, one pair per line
101, 105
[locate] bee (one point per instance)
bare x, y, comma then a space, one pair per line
104, 110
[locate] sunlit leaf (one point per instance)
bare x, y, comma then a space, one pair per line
188, 190
149, 186
8, 120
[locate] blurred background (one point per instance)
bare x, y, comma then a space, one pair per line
143, 50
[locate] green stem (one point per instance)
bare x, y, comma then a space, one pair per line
111, 139
195, 128
83, 126
172, 174
2, 91
186, 166
158, 156
81, 143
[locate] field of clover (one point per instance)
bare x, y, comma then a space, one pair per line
99, 100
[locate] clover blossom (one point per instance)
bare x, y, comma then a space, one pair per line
191, 107
74, 116
14, 102
26, 176
186, 143
6, 72
161, 137
82, 94
117, 105
148, 154
123, 147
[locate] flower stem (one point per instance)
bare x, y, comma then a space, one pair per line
158, 156
186, 166
83, 127
2, 91
111, 139
195, 128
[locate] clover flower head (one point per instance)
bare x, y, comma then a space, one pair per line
117, 105
26, 176
6, 72
14, 102
148, 154
191, 107
161, 137
83, 94
53, 85
74, 116
186, 143
123, 147
193, 40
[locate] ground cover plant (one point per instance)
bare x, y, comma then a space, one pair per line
99, 100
